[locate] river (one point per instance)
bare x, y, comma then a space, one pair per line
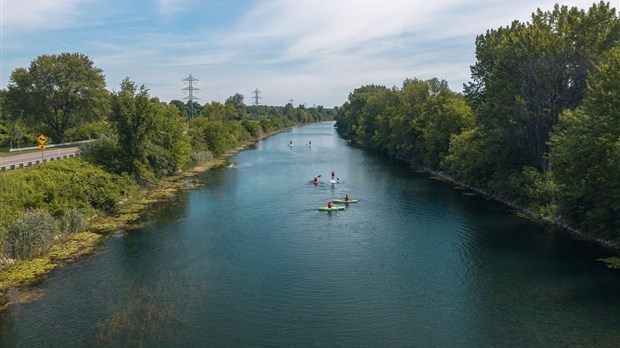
248, 260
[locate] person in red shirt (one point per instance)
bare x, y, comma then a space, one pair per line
347, 198
315, 180
329, 204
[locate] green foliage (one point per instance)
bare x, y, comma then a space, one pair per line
252, 128
414, 123
60, 186
106, 152
202, 157
73, 221
70, 190
541, 190
89, 130
213, 134
527, 74
57, 92
31, 235
235, 103
152, 137
586, 154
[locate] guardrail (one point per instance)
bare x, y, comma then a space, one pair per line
30, 163
51, 145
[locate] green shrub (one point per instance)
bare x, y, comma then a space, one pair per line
202, 157
73, 221
106, 152
31, 235
90, 130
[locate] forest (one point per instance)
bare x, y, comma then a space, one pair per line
537, 126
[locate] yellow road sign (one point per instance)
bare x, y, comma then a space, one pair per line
42, 146
42, 139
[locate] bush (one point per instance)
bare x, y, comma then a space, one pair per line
202, 157
90, 130
73, 221
31, 235
106, 152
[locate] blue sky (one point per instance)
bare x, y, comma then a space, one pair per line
311, 51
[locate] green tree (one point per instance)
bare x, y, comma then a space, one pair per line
183, 107
525, 76
57, 91
151, 135
586, 155
235, 102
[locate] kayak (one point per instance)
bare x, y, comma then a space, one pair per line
334, 207
341, 200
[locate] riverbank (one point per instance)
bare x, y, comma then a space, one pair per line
612, 262
18, 278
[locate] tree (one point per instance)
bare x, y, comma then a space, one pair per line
525, 76
183, 107
151, 135
57, 91
236, 103
586, 155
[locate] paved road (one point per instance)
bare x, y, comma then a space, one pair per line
28, 159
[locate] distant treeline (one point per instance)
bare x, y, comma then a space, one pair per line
539, 125
139, 140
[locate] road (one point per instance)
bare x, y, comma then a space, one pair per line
33, 158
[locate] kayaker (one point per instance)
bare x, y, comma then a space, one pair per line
329, 204
347, 198
315, 180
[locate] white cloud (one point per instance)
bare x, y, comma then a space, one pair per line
38, 14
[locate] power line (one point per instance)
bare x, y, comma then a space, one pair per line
190, 90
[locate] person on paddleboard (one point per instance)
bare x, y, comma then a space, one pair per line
333, 175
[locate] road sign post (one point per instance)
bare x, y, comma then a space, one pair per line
42, 139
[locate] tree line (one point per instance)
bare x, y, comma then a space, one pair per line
139, 140
538, 125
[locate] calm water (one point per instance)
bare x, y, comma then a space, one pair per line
248, 260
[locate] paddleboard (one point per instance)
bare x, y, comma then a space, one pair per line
334, 207
340, 200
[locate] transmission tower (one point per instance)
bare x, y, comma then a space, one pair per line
257, 99
291, 101
190, 90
